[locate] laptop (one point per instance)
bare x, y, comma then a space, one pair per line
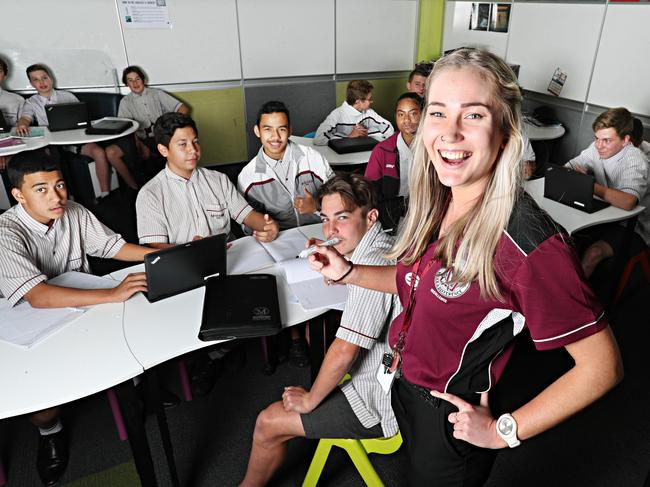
108, 127
240, 306
67, 116
178, 269
4, 126
349, 145
572, 188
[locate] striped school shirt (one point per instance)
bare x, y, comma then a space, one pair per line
146, 107
33, 252
365, 322
172, 209
10, 105
34, 107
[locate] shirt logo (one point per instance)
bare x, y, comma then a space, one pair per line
409, 278
390, 166
445, 285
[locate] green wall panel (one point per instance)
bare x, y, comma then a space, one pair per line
432, 18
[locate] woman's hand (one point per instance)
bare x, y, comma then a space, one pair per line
329, 263
473, 424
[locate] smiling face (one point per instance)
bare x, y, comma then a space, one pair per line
349, 226
183, 152
273, 131
135, 82
461, 130
609, 143
43, 195
41, 81
417, 84
407, 117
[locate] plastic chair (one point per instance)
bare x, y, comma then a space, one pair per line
358, 451
642, 258
310, 135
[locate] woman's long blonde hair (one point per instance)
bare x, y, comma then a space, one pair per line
470, 243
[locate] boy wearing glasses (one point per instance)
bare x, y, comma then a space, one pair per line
354, 118
621, 174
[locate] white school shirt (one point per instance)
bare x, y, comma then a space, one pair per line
405, 163
340, 122
10, 105
34, 106
146, 107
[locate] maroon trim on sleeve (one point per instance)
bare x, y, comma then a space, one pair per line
107, 251
258, 183
22, 285
308, 172
357, 332
242, 210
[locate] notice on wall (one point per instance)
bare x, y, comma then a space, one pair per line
557, 82
144, 14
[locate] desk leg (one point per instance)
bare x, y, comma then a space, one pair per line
152, 391
133, 415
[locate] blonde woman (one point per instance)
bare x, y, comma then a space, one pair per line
478, 262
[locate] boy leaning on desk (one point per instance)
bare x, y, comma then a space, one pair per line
41, 237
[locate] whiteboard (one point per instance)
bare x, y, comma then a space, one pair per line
546, 36
375, 35
286, 37
622, 71
456, 32
79, 40
202, 44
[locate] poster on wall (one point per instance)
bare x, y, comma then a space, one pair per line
144, 14
480, 18
557, 82
493, 17
500, 17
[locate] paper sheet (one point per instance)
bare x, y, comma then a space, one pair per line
310, 288
287, 246
246, 255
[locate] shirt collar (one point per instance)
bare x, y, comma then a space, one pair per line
45, 99
144, 92
350, 109
402, 146
173, 176
366, 241
32, 224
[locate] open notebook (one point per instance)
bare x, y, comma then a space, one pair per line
248, 255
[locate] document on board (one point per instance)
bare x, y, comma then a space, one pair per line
310, 288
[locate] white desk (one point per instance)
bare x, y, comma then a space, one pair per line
543, 133
87, 356
29, 144
571, 219
333, 157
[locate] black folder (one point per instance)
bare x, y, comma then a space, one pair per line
109, 127
240, 306
355, 144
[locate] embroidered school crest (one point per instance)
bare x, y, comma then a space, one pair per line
446, 286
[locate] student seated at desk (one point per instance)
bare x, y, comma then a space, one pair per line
637, 138
284, 176
621, 172
390, 161
359, 408
417, 82
10, 106
40, 78
354, 118
42, 237
145, 105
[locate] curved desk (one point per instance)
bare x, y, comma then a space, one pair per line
334, 158
571, 219
550, 132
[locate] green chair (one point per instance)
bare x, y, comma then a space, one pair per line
358, 451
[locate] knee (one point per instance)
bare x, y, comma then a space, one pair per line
268, 427
45, 417
113, 152
597, 252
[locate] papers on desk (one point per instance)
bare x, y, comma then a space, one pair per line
246, 255
34, 133
10, 142
25, 326
310, 288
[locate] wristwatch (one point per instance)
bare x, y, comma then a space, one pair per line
507, 429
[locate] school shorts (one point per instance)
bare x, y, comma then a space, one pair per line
435, 457
334, 418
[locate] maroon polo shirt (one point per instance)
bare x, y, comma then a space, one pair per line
459, 342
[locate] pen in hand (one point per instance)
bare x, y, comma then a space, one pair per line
327, 243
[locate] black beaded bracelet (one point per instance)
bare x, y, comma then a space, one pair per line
347, 273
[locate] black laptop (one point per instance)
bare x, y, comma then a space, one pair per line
67, 116
178, 269
355, 144
240, 306
109, 127
572, 188
4, 126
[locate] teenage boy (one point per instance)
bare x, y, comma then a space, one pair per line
637, 138
417, 83
621, 173
41, 237
390, 161
34, 109
354, 118
283, 177
10, 106
359, 408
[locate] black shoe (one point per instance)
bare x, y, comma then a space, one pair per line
52, 457
167, 398
204, 375
298, 353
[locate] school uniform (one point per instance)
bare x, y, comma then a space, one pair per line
459, 342
172, 209
33, 252
10, 105
34, 107
645, 148
529, 153
364, 323
340, 122
270, 186
627, 171
146, 107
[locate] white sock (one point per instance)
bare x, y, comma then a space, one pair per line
52, 430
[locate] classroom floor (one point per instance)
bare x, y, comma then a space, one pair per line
606, 445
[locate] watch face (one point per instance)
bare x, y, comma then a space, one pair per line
505, 426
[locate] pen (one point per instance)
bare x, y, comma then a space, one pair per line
327, 243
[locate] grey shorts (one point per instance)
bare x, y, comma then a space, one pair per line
334, 418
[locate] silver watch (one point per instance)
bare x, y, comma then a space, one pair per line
507, 429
